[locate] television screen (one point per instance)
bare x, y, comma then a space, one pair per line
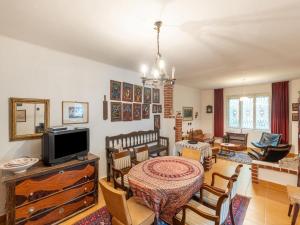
70, 143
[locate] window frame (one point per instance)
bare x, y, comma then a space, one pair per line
254, 96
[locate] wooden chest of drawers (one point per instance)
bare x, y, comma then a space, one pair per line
46, 195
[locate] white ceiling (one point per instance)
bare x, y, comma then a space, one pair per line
215, 43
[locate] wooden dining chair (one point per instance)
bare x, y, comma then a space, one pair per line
121, 166
196, 213
141, 153
210, 200
125, 212
191, 154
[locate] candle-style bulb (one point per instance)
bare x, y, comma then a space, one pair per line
173, 72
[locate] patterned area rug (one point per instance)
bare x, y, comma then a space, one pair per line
240, 157
102, 216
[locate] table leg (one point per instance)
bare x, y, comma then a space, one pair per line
295, 213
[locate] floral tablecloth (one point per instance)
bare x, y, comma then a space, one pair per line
165, 184
201, 146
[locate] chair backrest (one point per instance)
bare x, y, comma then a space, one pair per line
268, 139
235, 180
121, 160
141, 153
223, 204
274, 154
116, 203
191, 154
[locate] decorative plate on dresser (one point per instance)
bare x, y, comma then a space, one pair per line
47, 195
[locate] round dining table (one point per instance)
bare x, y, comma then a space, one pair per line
165, 184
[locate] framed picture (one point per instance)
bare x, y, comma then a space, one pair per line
75, 112
154, 108
138, 93
187, 113
156, 95
156, 122
115, 90
146, 111
209, 109
127, 112
159, 108
127, 92
137, 111
147, 95
116, 111
295, 107
295, 116
21, 115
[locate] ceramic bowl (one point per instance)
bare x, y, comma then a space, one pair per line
18, 165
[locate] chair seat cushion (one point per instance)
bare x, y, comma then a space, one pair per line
293, 194
195, 219
140, 214
126, 183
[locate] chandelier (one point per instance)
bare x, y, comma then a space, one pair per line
158, 74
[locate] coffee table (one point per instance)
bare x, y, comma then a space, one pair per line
228, 149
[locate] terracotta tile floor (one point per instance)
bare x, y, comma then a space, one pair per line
268, 205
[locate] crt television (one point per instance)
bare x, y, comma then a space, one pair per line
62, 146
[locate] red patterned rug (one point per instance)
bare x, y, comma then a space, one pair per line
102, 216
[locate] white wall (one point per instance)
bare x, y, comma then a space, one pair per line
187, 97
30, 71
294, 87
207, 119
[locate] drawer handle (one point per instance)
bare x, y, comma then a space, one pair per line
31, 194
85, 177
61, 210
85, 189
31, 210
61, 172
85, 202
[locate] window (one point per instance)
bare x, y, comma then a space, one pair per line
250, 112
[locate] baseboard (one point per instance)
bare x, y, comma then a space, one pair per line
2, 219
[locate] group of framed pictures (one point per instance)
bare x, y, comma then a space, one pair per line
133, 102
126, 92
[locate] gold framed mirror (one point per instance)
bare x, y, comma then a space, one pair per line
29, 118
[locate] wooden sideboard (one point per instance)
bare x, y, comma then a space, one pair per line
46, 195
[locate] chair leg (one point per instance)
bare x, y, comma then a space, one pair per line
295, 213
231, 213
290, 210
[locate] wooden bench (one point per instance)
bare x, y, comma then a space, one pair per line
152, 138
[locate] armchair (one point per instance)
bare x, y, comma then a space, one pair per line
271, 154
196, 213
121, 166
267, 140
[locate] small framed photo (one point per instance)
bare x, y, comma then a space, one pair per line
295, 107
116, 111
75, 112
154, 108
127, 90
137, 111
156, 95
295, 116
159, 108
156, 122
187, 113
21, 115
127, 112
147, 95
115, 90
146, 111
138, 93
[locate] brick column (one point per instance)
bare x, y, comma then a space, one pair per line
178, 128
254, 173
168, 101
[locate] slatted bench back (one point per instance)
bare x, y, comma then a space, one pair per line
133, 139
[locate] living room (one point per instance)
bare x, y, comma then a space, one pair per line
64, 55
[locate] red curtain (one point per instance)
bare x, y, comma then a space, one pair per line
218, 113
280, 110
